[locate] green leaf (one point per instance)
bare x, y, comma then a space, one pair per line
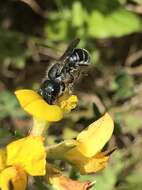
137, 1
133, 182
9, 106
5, 136
57, 28
125, 86
12, 48
78, 14
118, 23
132, 120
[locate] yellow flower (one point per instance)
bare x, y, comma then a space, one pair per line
29, 153
14, 176
35, 105
23, 157
2, 159
93, 139
86, 156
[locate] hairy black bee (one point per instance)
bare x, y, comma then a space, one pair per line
62, 75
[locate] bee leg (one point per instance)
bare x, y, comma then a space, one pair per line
62, 88
78, 74
70, 78
70, 88
54, 72
70, 84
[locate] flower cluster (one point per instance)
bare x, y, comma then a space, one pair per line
19, 160
30, 156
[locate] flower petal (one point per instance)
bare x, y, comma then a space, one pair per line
56, 152
14, 176
2, 159
94, 164
35, 105
28, 153
65, 183
93, 139
60, 182
88, 165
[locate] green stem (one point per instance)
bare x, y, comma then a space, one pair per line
39, 127
57, 151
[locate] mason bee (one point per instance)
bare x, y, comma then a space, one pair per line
61, 76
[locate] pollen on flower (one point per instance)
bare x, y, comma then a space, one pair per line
69, 104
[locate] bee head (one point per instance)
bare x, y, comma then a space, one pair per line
49, 90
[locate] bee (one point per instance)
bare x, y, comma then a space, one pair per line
61, 75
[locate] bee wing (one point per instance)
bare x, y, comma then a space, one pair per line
48, 54
69, 49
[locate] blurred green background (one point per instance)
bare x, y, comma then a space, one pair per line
111, 30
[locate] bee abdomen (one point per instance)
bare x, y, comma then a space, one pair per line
79, 56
